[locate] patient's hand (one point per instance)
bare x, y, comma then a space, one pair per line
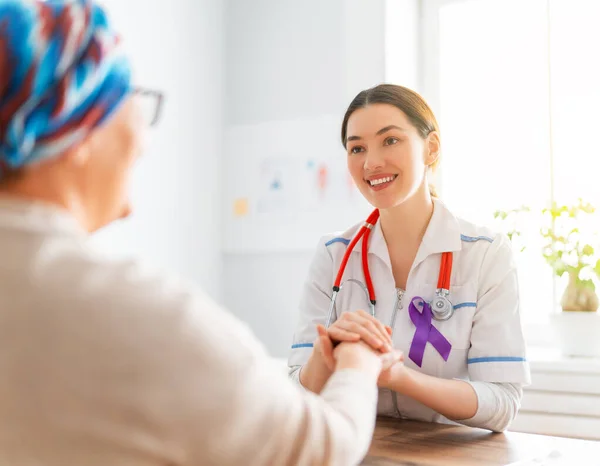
357, 351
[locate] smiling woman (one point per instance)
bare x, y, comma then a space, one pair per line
416, 124
446, 288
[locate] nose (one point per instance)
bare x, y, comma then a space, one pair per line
373, 161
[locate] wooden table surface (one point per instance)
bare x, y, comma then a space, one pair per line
410, 443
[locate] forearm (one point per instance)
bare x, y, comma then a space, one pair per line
335, 428
453, 399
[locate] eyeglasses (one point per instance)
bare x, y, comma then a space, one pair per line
151, 102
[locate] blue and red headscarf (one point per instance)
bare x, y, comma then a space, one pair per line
62, 73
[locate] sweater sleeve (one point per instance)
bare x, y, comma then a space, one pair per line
241, 408
497, 405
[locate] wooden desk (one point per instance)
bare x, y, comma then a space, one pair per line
410, 443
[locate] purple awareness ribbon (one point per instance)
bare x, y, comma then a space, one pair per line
425, 332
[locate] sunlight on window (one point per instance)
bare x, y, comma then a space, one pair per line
494, 115
575, 64
575, 84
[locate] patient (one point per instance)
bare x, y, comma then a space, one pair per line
109, 363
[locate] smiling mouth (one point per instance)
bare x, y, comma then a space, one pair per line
381, 181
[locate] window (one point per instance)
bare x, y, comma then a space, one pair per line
515, 85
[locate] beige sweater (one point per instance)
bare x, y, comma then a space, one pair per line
106, 363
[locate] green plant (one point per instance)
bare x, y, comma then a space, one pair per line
566, 249
511, 219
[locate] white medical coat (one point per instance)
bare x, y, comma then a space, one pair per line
485, 330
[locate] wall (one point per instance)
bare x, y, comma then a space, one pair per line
175, 190
257, 61
289, 60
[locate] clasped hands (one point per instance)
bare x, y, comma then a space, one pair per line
363, 334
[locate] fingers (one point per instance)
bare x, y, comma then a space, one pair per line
326, 346
385, 336
341, 333
364, 332
365, 326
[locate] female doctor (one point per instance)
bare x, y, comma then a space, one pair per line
447, 289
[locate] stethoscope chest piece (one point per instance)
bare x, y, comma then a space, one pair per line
441, 307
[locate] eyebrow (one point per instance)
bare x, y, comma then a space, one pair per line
380, 132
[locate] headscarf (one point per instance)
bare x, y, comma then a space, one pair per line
62, 73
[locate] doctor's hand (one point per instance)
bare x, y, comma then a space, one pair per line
360, 325
356, 351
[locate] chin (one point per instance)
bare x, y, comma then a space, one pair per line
100, 225
388, 201
109, 219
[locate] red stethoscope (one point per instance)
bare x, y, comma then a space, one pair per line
441, 306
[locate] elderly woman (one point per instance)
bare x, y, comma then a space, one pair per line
104, 362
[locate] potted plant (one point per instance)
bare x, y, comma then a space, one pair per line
570, 252
569, 249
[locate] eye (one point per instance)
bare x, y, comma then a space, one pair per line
390, 141
357, 150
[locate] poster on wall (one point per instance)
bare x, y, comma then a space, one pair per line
286, 185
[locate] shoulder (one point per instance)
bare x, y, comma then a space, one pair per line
332, 246
482, 239
329, 251
486, 253
78, 270
119, 295
157, 321
341, 238
471, 233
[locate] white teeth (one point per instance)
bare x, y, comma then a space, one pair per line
381, 180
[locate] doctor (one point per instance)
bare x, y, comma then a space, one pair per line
447, 288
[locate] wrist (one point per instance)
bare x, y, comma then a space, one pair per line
353, 356
314, 373
317, 361
400, 379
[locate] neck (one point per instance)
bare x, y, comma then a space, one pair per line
405, 224
30, 187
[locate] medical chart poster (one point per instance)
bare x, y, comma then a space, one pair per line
286, 184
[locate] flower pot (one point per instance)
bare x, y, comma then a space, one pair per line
577, 333
578, 298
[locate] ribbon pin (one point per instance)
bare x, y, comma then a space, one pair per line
425, 332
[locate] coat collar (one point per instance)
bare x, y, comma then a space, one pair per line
442, 235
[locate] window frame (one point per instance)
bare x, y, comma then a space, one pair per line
538, 333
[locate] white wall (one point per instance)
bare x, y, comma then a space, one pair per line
256, 61
177, 49
403, 50
287, 60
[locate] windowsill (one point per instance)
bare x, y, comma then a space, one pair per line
564, 396
551, 360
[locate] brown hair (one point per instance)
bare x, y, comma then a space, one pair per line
406, 100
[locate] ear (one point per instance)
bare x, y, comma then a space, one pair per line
79, 154
432, 148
